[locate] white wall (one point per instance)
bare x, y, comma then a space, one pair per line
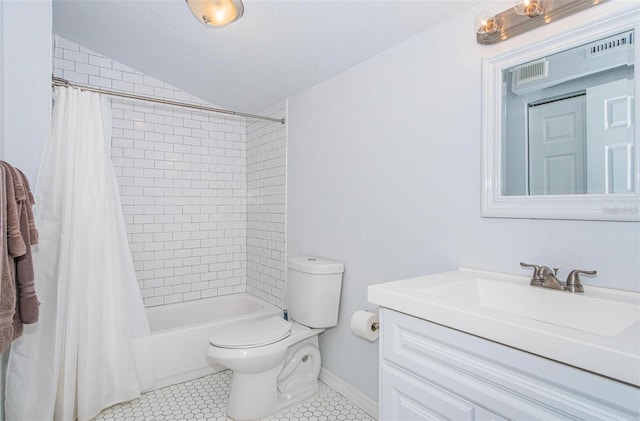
25, 82
384, 175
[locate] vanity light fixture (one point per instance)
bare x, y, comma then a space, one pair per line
524, 16
216, 13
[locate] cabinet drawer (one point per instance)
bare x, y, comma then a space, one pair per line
504, 380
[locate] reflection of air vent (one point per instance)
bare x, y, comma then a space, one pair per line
531, 71
615, 42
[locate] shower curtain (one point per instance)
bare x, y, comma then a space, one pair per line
79, 359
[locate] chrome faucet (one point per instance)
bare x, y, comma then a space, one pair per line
544, 276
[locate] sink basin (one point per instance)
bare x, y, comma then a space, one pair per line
598, 331
595, 315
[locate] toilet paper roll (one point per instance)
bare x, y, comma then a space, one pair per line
362, 325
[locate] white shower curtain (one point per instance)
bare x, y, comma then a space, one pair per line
79, 359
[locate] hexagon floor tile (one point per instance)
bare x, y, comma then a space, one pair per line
206, 399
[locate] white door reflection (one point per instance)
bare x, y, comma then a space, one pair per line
557, 147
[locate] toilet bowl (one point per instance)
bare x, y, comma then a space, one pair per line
275, 362
272, 370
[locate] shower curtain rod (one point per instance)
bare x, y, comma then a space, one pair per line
57, 81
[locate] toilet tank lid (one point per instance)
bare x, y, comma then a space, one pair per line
317, 265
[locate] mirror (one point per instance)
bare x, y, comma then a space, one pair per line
559, 138
569, 122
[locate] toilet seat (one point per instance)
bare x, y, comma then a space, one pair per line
252, 334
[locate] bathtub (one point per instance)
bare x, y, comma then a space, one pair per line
176, 350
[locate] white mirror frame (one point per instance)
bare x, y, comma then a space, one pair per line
619, 207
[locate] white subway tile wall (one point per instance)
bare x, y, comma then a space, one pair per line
266, 205
183, 181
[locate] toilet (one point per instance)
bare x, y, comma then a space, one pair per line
276, 362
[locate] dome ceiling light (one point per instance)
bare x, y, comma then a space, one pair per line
216, 13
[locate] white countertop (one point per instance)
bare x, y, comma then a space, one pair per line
615, 355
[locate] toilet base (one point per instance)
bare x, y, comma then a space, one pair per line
258, 395
259, 404
253, 396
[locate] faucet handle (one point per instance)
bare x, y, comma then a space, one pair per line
536, 278
529, 265
573, 280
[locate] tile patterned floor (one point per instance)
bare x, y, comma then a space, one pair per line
206, 399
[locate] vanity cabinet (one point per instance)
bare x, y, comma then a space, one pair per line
429, 371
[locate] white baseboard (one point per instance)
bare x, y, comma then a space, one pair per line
363, 401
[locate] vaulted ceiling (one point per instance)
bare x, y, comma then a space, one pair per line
277, 49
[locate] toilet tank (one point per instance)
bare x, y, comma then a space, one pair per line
314, 291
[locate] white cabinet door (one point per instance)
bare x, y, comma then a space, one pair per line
408, 398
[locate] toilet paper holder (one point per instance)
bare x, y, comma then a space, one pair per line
366, 325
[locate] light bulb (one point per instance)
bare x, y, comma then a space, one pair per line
531, 8
216, 13
219, 16
486, 24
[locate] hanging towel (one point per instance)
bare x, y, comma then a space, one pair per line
27, 302
33, 232
18, 299
15, 242
7, 282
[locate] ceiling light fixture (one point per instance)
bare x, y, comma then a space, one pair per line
216, 13
524, 16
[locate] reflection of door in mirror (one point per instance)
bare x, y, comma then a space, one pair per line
557, 147
610, 146
568, 121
